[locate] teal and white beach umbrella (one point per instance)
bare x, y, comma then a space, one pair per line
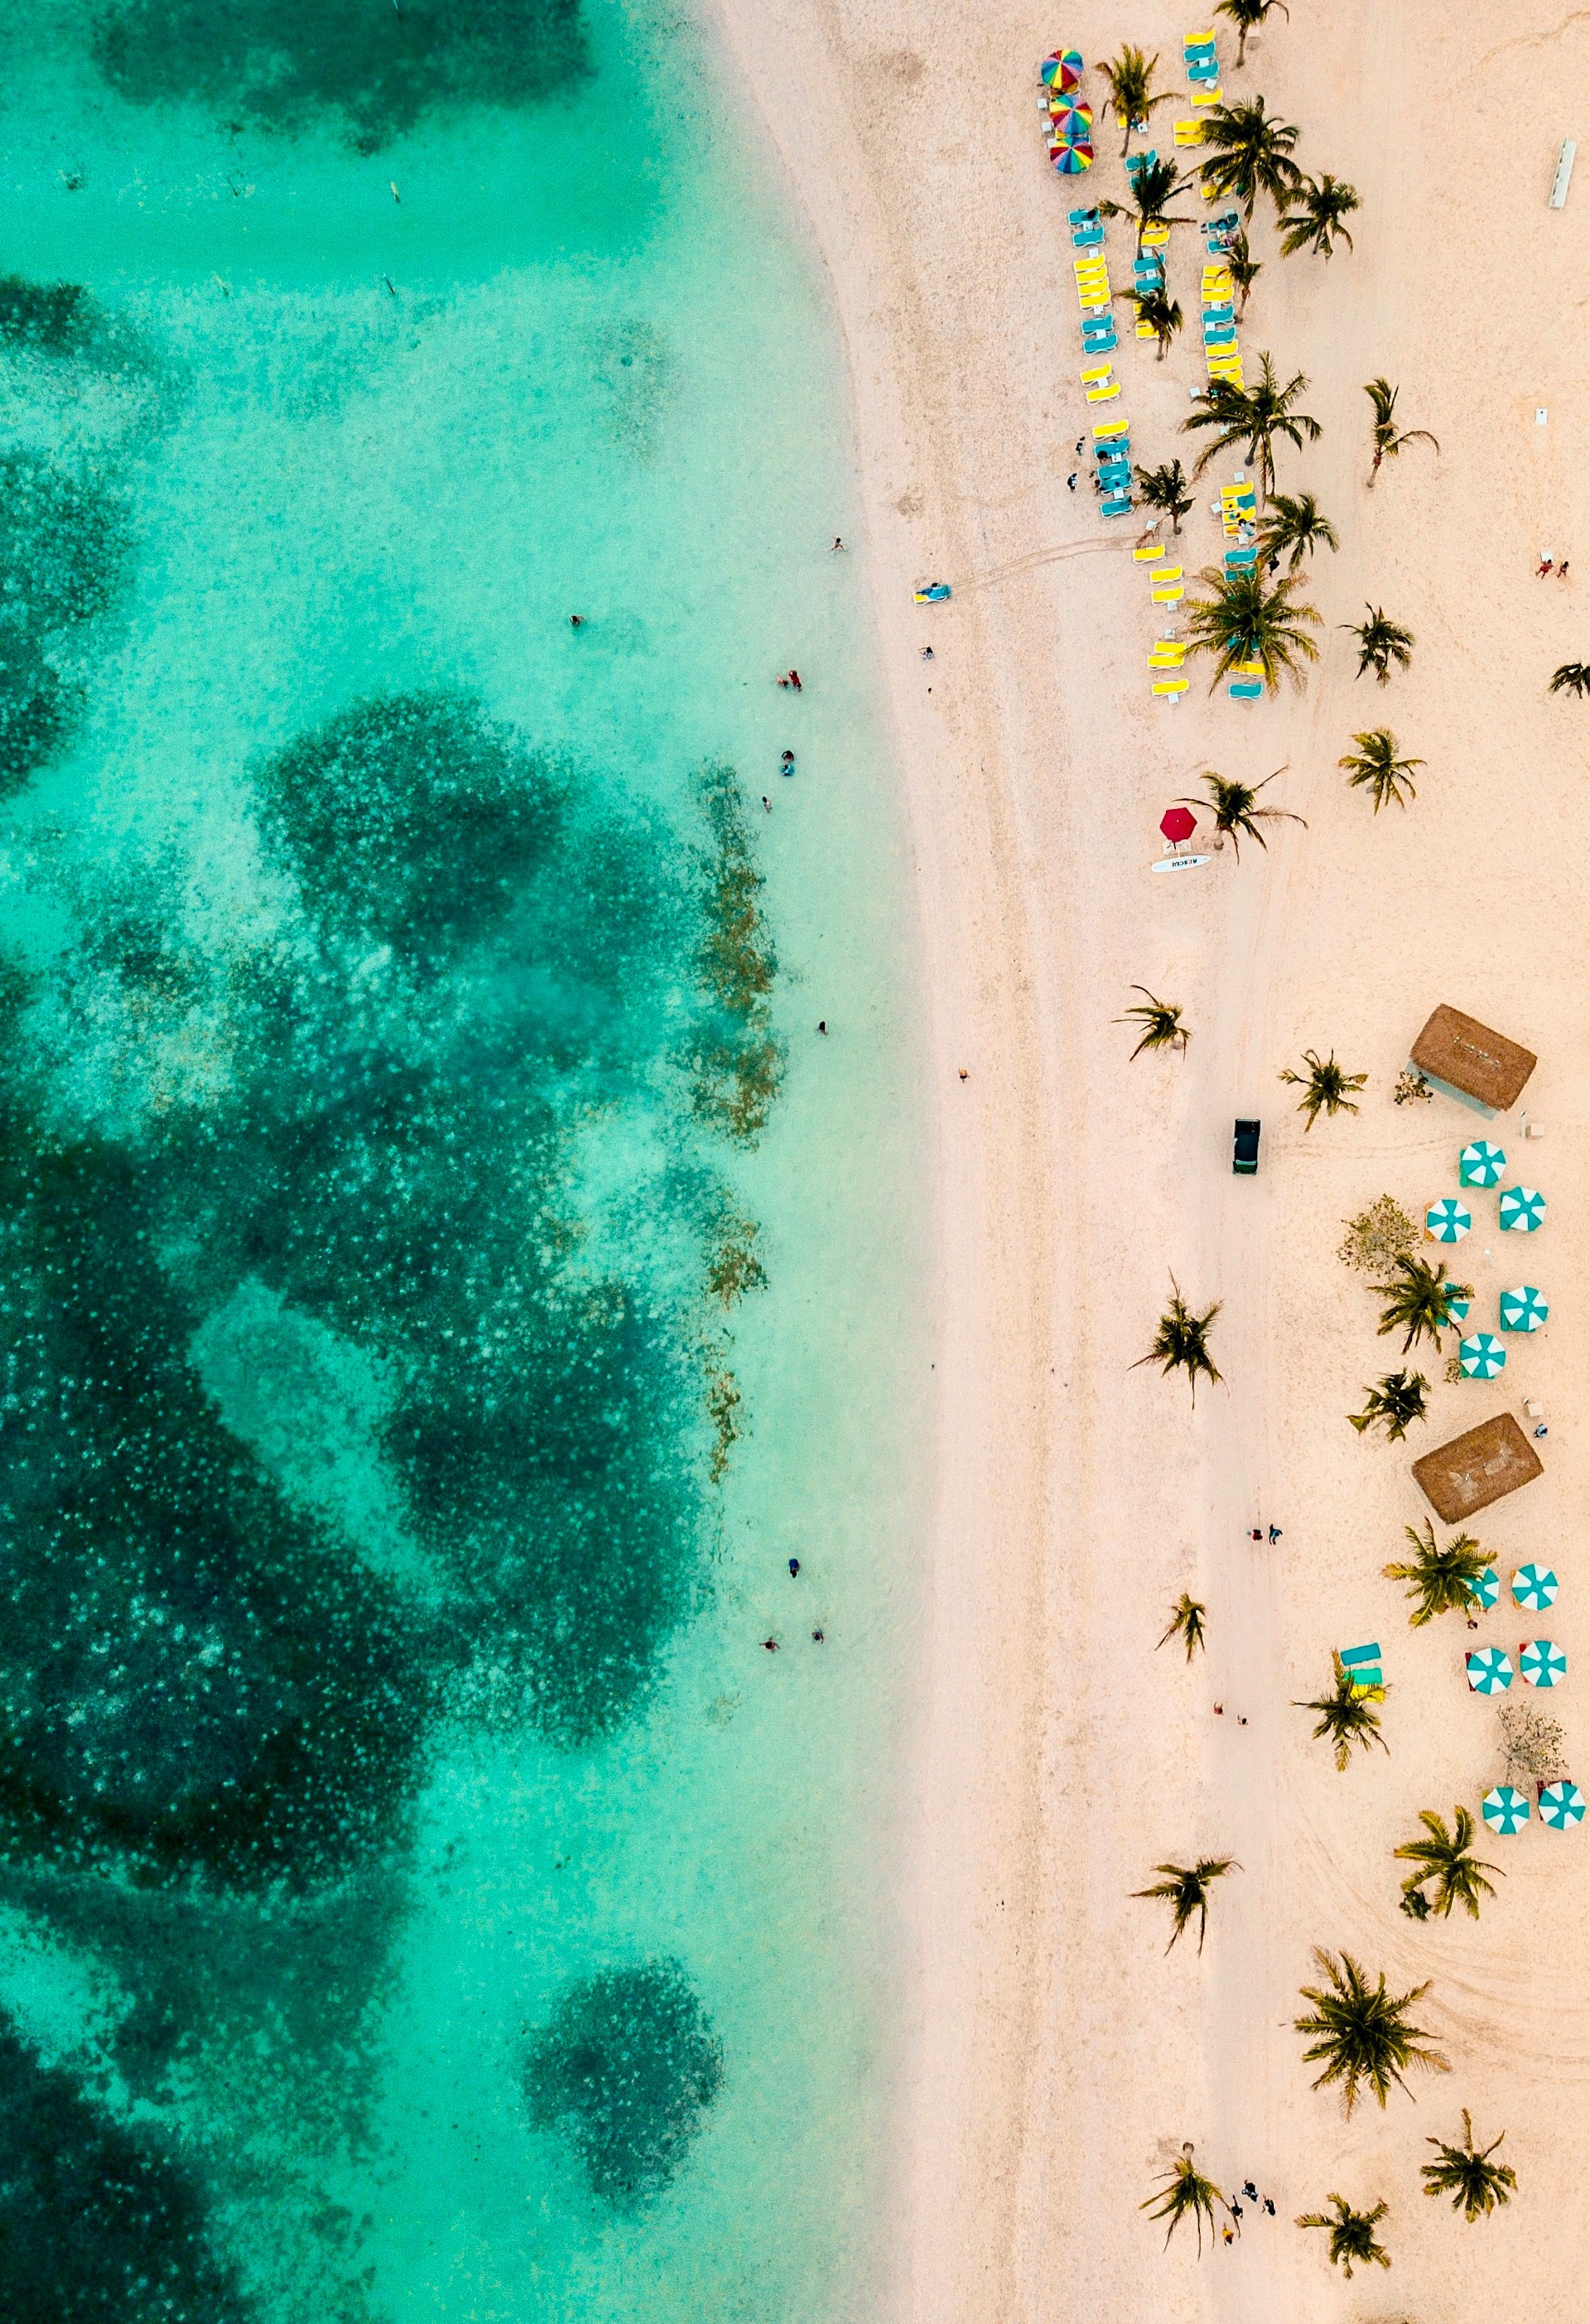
1448, 1220
1523, 1310
1543, 1662
1505, 1808
1484, 1592
1523, 1210
1481, 1356
1489, 1671
1456, 1309
1562, 1806
1481, 1164
1534, 1587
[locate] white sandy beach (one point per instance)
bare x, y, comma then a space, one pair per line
1058, 2058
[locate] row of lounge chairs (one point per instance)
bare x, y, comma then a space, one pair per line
1112, 453
1203, 68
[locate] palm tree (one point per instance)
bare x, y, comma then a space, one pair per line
1162, 1023
1187, 1623
1351, 2235
1376, 767
1237, 811
1152, 186
1381, 642
1345, 1717
1382, 433
1243, 269
1247, 15
1295, 523
1324, 1085
1571, 677
1181, 1342
1475, 2184
1131, 87
1245, 619
1447, 1858
1316, 225
1186, 2194
1393, 1404
1163, 315
1421, 1298
1253, 416
1252, 155
1165, 488
1186, 1887
1441, 1581
1362, 2034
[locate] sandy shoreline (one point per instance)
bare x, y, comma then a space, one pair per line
1057, 2057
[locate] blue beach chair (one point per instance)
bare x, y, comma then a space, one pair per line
1117, 504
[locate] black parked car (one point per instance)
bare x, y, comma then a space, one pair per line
1245, 1148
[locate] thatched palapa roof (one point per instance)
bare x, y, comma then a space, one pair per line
1468, 1057
1477, 1469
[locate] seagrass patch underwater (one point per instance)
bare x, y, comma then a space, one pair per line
437, 1295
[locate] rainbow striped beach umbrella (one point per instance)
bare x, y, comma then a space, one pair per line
1562, 1806
1481, 1164
1543, 1662
1505, 1808
1481, 1356
1523, 1210
1070, 161
1484, 1592
1074, 123
1534, 1587
1523, 1310
1489, 1671
1448, 1220
1064, 67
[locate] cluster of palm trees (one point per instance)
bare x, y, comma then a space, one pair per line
1361, 2036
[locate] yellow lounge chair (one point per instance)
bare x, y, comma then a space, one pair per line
1169, 685
1104, 394
1189, 133
1155, 238
1146, 552
1093, 372
1205, 93
1170, 594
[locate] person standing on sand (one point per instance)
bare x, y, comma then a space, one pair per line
1544, 566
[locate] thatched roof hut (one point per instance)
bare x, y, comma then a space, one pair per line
1477, 1469
1468, 1060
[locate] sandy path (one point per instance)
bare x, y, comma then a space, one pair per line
1057, 2057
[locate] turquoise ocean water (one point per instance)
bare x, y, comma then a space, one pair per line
446, 1275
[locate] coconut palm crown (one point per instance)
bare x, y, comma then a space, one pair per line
1466, 2172
1165, 488
1440, 1581
1131, 87
1447, 1859
1252, 155
1238, 813
1375, 767
1185, 1887
1254, 417
1295, 523
1381, 642
1345, 1717
1181, 1343
1393, 1404
1161, 1022
1571, 677
1421, 1297
1316, 223
1249, 15
1152, 187
1186, 1623
1351, 2235
1363, 2037
1385, 440
1163, 315
1247, 619
1187, 2194
1325, 1087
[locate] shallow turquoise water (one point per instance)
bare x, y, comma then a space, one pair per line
446, 1275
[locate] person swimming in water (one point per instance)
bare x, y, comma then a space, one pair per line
786, 763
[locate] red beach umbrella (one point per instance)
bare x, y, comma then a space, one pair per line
1178, 824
